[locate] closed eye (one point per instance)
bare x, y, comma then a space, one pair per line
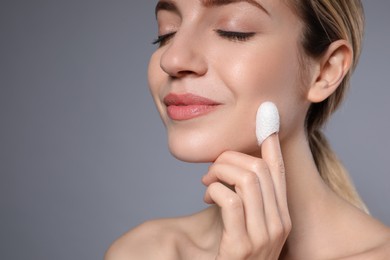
230, 35
163, 39
235, 36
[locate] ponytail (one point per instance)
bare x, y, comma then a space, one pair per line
332, 171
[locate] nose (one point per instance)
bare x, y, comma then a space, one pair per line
184, 56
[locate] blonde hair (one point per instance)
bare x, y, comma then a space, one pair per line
326, 21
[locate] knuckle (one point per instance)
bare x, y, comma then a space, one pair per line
277, 230
259, 166
213, 188
249, 178
224, 156
233, 202
287, 226
244, 250
212, 167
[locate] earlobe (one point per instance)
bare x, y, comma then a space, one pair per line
333, 66
319, 92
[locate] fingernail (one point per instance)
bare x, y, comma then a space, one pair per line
267, 121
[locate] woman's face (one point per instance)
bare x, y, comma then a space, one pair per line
216, 63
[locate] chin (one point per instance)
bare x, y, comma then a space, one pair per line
206, 148
195, 157
194, 150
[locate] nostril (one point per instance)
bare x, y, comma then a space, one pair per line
184, 73
182, 59
180, 74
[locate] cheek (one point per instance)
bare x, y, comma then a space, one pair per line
266, 69
270, 74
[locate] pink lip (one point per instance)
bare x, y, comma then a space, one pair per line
188, 106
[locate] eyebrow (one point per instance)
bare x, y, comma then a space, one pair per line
168, 5
210, 3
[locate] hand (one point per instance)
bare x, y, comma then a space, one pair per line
251, 194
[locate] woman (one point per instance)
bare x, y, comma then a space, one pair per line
217, 61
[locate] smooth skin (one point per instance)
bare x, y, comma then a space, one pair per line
268, 202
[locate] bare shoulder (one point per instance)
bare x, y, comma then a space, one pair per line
379, 252
150, 240
171, 238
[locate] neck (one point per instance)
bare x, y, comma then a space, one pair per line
305, 186
311, 202
313, 206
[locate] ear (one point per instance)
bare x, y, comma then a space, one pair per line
331, 69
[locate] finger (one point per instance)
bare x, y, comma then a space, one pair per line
248, 187
232, 209
272, 155
251, 164
269, 215
242, 160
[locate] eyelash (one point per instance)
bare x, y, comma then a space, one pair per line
162, 39
235, 36
232, 36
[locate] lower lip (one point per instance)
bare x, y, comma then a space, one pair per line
181, 113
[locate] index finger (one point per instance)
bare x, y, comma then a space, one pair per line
267, 128
272, 155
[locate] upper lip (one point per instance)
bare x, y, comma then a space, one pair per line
187, 99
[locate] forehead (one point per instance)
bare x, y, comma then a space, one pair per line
280, 11
170, 5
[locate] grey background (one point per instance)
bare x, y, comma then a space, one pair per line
83, 153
